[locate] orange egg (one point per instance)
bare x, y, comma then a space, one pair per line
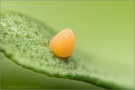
62, 44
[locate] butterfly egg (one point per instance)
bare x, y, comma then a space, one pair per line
62, 44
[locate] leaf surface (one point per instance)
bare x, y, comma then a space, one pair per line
24, 40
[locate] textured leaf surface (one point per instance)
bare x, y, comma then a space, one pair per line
24, 40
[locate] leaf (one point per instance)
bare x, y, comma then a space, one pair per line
24, 40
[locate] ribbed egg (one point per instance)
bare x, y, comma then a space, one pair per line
62, 44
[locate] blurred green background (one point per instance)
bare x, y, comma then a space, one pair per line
103, 30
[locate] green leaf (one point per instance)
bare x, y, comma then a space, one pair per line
24, 40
